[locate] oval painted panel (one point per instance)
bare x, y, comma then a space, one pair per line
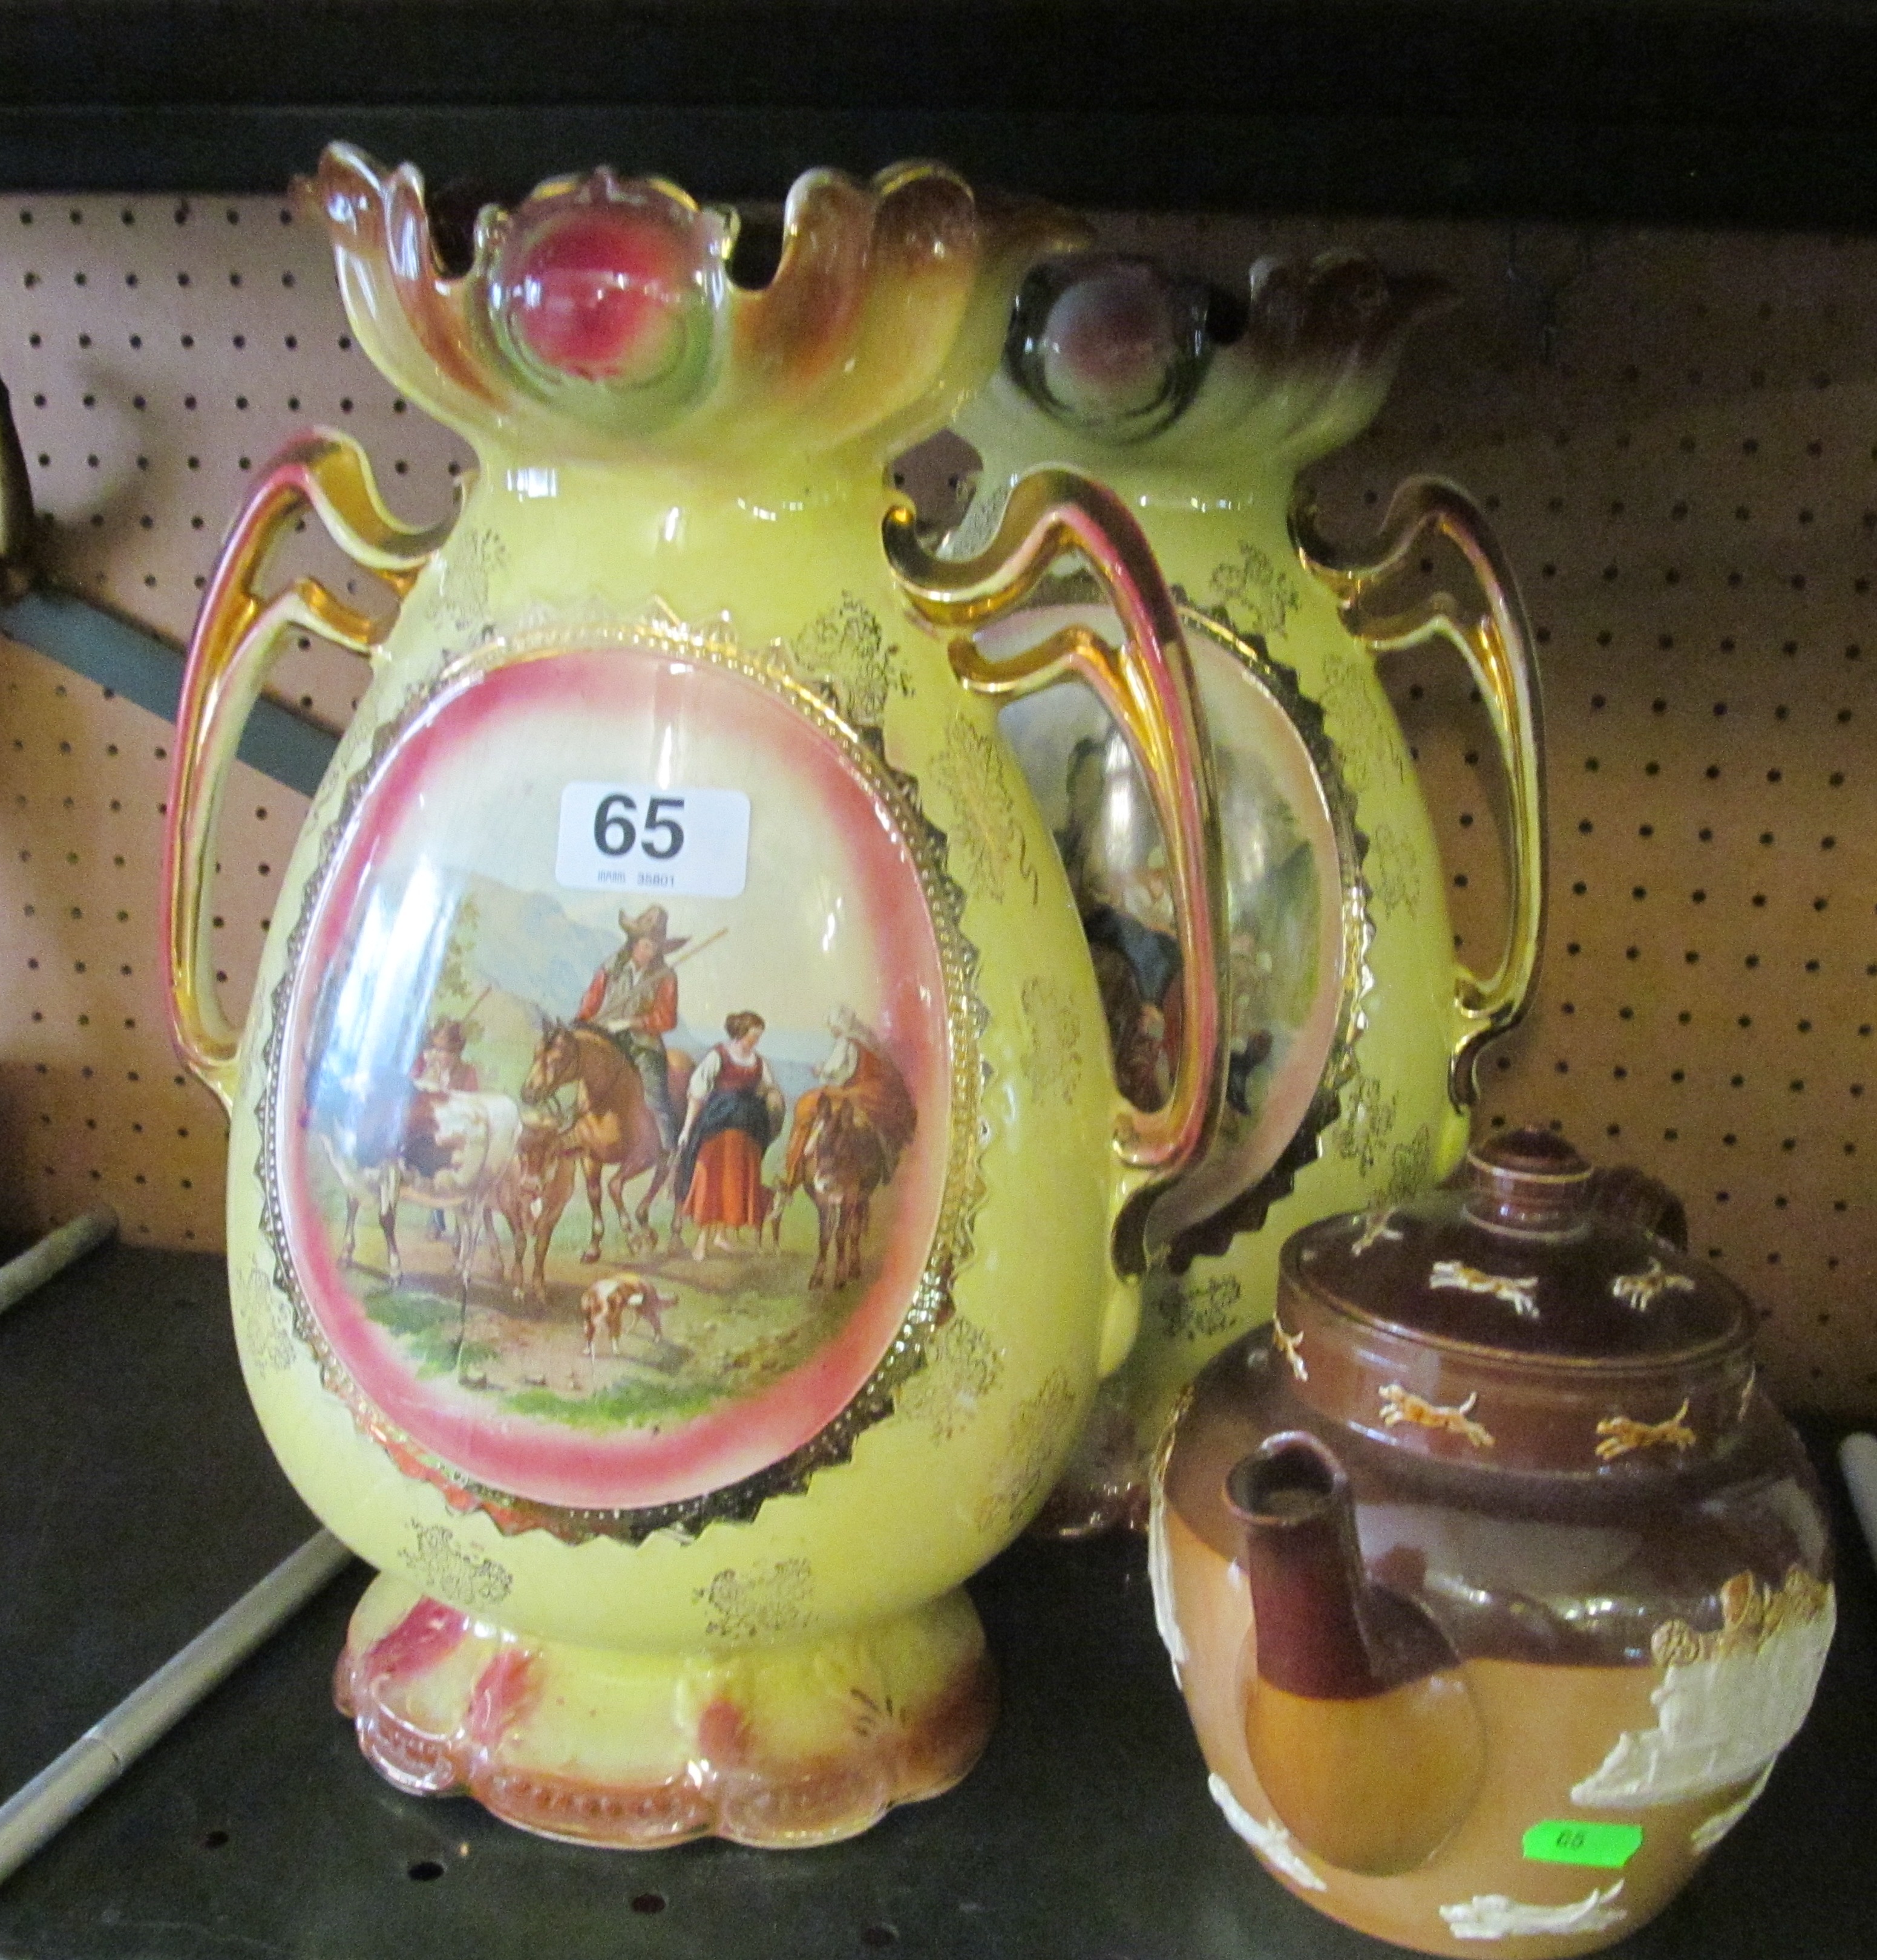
610, 927
1288, 959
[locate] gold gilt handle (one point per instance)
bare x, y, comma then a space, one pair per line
1147, 685
1497, 645
238, 636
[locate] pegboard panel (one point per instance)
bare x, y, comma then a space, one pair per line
1676, 439
93, 1102
1675, 435
157, 351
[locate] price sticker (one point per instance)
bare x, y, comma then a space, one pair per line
625, 837
1560, 1841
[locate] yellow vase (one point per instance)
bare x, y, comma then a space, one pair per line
1350, 1035
675, 1013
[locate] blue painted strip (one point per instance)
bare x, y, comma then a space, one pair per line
142, 668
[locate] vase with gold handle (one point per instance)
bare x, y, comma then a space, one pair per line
1350, 1030
675, 1009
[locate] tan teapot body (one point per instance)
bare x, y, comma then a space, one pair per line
1494, 1586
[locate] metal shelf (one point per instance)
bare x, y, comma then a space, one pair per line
1714, 112
140, 1500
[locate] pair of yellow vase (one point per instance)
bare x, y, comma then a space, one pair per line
682, 1197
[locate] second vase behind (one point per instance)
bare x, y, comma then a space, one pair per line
1349, 1032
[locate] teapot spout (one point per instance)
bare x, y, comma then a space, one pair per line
1359, 1720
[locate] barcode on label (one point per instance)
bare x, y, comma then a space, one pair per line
629, 837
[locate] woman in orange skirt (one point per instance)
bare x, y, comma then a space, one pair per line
733, 1111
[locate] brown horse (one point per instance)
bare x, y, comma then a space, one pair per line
841, 1161
614, 1129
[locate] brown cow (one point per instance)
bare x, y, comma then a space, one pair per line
531, 1194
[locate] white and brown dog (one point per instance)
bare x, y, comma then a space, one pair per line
605, 1304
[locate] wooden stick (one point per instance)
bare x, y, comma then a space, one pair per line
692, 951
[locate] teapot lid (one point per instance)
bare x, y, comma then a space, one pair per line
1521, 1290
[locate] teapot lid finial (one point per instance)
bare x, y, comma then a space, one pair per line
1528, 1180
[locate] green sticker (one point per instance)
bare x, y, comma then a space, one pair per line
1557, 1841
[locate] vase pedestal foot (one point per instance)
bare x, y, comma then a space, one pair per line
765, 1744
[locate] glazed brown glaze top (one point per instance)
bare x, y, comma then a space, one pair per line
1513, 1324
1545, 1415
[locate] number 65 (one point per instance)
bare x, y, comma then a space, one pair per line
614, 834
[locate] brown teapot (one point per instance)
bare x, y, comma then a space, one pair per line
1494, 1586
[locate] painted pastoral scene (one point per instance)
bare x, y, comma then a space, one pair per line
609, 1201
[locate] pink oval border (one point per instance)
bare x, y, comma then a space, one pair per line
534, 1460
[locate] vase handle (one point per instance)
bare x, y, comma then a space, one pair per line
1496, 643
1147, 685
238, 637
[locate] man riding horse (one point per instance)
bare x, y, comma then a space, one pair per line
633, 1000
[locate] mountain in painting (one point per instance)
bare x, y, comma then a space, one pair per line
526, 945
